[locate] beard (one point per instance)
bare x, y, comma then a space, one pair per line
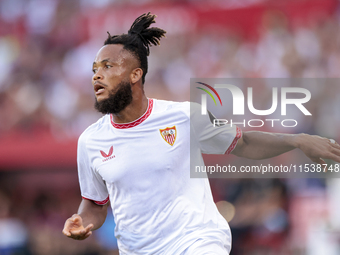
117, 101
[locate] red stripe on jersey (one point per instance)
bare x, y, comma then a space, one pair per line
233, 144
137, 121
99, 202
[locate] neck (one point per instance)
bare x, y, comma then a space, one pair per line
133, 111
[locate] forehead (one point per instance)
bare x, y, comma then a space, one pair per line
112, 53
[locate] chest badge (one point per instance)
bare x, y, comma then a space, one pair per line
169, 134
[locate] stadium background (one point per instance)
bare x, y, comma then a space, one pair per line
46, 100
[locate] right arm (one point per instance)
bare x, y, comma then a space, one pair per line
90, 215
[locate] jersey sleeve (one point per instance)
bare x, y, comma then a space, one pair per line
92, 186
212, 139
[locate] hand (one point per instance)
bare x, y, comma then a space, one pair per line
74, 228
318, 148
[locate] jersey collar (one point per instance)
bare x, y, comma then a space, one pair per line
135, 122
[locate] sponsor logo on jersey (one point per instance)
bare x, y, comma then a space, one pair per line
169, 134
109, 155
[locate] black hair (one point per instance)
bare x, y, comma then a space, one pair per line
138, 39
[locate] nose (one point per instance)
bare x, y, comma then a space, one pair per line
97, 76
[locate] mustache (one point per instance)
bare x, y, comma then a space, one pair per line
100, 83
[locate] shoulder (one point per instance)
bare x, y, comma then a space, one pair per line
93, 129
166, 106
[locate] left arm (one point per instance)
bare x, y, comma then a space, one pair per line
262, 145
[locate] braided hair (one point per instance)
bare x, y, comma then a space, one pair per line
138, 39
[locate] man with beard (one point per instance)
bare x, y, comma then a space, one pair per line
138, 157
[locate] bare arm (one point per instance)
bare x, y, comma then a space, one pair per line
262, 145
90, 215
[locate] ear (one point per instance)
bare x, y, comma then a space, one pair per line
136, 75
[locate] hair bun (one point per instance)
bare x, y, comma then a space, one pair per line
148, 36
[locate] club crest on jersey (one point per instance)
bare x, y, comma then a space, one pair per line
107, 156
169, 134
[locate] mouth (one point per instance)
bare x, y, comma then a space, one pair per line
98, 88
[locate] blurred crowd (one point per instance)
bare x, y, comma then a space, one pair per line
47, 53
47, 48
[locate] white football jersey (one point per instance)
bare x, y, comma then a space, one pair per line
143, 168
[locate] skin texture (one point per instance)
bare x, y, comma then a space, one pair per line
90, 215
262, 145
113, 65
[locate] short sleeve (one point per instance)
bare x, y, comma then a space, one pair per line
212, 139
92, 186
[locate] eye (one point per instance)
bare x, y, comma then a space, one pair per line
108, 66
94, 70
